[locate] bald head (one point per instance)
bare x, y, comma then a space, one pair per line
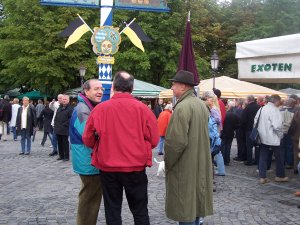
123, 82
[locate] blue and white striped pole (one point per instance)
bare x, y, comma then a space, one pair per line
105, 70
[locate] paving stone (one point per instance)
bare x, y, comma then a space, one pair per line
39, 190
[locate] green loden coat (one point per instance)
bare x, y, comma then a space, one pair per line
189, 185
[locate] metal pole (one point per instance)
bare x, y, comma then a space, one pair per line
105, 70
214, 76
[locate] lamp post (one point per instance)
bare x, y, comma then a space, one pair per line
214, 61
82, 71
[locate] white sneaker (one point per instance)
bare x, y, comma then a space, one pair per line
50, 146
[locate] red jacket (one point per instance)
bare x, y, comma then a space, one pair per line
127, 131
163, 122
223, 111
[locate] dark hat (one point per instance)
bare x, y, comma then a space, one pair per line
184, 77
217, 92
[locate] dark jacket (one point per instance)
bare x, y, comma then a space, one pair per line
247, 118
157, 110
47, 115
62, 119
6, 107
31, 119
231, 123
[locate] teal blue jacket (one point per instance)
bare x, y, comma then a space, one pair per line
81, 154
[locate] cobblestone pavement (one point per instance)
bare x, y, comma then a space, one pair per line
39, 190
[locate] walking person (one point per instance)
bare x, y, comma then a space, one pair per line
54, 105
187, 156
26, 123
163, 122
5, 116
46, 116
39, 108
90, 194
122, 132
14, 112
61, 128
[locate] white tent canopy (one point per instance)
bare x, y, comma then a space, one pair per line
270, 60
230, 88
291, 91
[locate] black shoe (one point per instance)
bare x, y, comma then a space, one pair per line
59, 158
27, 153
160, 153
53, 154
65, 160
296, 172
22, 153
248, 163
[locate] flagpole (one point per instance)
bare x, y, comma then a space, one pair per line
85, 23
127, 25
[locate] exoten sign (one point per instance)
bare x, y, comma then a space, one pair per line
272, 67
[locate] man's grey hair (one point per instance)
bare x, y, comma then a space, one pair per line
208, 94
275, 98
250, 98
290, 102
240, 101
6, 97
87, 85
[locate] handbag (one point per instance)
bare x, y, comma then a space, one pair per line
254, 135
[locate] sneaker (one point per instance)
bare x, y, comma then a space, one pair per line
263, 181
21, 153
27, 153
281, 179
51, 146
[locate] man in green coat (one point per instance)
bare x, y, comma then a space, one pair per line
187, 156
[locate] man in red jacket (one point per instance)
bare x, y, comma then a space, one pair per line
122, 132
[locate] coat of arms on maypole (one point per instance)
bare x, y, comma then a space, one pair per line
106, 40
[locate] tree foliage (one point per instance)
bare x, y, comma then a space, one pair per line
32, 54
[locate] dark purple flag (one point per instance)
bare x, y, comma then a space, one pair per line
187, 58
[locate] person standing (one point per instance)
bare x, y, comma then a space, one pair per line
90, 194
163, 122
54, 105
61, 128
227, 134
26, 123
14, 112
39, 108
247, 120
5, 116
218, 93
270, 128
46, 116
187, 156
123, 131
158, 107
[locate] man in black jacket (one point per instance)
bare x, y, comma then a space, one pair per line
231, 123
5, 116
247, 120
61, 128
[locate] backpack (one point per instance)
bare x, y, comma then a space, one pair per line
214, 137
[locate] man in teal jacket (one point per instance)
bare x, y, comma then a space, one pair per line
90, 194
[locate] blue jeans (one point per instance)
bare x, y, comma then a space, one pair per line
25, 139
14, 131
196, 222
54, 142
161, 144
220, 163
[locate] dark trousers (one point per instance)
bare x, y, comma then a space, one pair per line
90, 197
135, 185
249, 147
241, 146
263, 160
63, 146
286, 145
40, 123
225, 148
49, 134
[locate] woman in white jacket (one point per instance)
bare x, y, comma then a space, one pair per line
270, 132
14, 112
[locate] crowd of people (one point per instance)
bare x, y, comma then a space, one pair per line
111, 143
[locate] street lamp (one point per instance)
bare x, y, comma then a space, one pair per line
214, 61
82, 71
